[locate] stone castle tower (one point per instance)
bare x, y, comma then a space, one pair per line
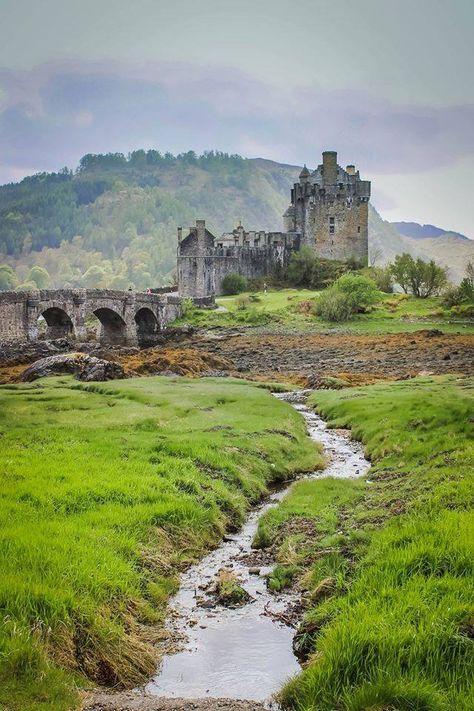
328, 213
329, 210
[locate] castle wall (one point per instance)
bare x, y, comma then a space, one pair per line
200, 276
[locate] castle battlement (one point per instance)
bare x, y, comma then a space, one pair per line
328, 212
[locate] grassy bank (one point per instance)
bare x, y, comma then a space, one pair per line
108, 490
291, 309
386, 566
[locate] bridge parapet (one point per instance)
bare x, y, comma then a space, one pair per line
126, 317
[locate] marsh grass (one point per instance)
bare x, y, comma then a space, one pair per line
292, 309
389, 573
108, 491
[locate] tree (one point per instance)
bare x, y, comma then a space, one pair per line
39, 276
301, 267
7, 277
93, 277
421, 278
400, 270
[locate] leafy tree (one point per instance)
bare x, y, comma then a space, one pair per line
7, 277
234, 284
400, 270
421, 278
301, 267
39, 276
93, 277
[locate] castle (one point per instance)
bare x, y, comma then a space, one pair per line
328, 213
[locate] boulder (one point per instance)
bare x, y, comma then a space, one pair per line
82, 366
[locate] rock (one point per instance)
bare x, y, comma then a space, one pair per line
83, 367
254, 571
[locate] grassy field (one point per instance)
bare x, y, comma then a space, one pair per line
289, 309
108, 490
386, 565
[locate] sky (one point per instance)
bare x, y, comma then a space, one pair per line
386, 83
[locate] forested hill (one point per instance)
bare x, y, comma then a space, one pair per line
112, 222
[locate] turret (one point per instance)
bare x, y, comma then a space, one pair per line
329, 168
304, 175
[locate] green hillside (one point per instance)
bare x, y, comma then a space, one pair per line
112, 222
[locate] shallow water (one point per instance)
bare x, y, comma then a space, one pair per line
243, 653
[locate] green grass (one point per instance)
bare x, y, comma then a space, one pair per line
279, 310
388, 571
108, 490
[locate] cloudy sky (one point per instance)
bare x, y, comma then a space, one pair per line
386, 83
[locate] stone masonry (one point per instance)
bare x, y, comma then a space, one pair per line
328, 213
126, 318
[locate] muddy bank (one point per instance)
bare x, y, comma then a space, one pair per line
395, 355
303, 359
129, 701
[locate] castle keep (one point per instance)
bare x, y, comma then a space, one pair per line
328, 213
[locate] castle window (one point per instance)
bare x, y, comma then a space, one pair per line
332, 226
331, 229
358, 229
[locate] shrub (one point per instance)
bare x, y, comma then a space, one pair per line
333, 305
233, 284
453, 296
242, 302
309, 271
361, 291
382, 277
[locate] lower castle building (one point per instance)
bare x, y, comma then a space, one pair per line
328, 213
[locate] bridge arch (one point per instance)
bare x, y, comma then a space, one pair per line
113, 329
58, 322
147, 325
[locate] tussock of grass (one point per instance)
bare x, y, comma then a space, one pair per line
105, 497
394, 628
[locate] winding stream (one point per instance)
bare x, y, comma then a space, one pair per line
246, 652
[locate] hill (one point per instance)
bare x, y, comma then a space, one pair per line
417, 231
113, 221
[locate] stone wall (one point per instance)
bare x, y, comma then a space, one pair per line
201, 275
126, 317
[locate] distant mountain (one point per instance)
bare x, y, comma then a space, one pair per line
113, 221
417, 231
449, 249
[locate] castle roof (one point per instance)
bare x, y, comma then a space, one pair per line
305, 172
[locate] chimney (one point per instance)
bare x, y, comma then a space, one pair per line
329, 168
350, 169
180, 234
201, 234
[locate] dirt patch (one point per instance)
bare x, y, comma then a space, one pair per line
130, 701
359, 359
180, 361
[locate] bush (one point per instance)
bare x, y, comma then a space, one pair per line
361, 291
333, 305
382, 277
453, 296
233, 284
306, 270
242, 302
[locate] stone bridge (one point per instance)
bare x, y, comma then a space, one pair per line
126, 317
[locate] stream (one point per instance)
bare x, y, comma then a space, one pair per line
244, 652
